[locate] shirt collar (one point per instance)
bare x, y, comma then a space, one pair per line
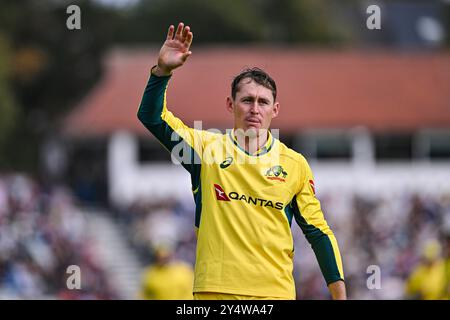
264, 149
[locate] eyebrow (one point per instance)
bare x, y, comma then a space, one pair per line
253, 98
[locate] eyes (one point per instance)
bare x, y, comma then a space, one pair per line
251, 100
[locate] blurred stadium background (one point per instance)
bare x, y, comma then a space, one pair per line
82, 183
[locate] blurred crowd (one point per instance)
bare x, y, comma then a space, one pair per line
394, 246
167, 223
162, 232
42, 233
388, 236
390, 244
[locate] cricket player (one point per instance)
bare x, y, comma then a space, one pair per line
247, 187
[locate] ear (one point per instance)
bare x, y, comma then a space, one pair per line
230, 106
275, 109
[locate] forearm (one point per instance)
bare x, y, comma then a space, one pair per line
328, 255
152, 102
337, 290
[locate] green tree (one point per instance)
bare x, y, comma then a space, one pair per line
213, 21
51, 67
8, 107
233, 21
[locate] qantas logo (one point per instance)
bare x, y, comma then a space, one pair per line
221, 195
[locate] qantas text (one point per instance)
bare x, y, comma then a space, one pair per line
256, 201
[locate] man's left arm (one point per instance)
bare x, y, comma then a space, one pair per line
309, 216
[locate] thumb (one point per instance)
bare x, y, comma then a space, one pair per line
186, 55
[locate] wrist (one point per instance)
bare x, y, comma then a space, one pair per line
337, 290
161, 71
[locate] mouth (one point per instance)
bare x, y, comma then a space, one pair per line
253, 121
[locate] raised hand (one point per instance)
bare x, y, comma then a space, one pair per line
175, 49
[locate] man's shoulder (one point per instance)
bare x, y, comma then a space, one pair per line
210, 136
291, 153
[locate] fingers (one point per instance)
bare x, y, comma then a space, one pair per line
178, 34
185, 32
170, 32
188, 40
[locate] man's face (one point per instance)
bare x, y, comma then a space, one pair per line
253, 108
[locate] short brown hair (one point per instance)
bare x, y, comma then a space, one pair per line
259, 76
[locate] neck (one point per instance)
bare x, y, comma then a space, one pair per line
252, 144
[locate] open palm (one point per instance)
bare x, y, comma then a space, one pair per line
175, 49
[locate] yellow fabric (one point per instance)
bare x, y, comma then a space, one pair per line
173, 281
447, 279
245, 245
262, 149
311, 211
247, 248
428, 282
227, 296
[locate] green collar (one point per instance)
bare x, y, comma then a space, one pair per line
263, 150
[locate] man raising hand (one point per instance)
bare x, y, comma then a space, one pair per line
247, 197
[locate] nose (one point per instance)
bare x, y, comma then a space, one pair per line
254, 108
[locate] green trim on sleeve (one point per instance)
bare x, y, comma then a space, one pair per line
321, 245
149, 113
289, 213
152, 102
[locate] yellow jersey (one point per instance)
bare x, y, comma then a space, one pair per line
245, 204
171, 281
428, 281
